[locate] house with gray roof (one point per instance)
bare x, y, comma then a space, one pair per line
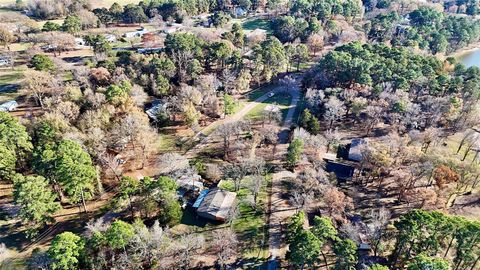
215, 204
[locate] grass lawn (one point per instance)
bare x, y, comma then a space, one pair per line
250, 226
281, 99
10, 83
257, 23
166, 142
301, 105
260, 91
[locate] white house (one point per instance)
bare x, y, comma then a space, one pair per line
80, 42
110, 38
137, 33
5, 61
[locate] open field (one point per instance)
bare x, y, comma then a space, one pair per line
282, 100
10, 83
253, 24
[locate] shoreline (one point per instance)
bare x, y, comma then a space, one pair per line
469, 49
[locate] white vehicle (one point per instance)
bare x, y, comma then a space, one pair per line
271, 94
8, 106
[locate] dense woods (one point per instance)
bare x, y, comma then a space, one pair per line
202, 134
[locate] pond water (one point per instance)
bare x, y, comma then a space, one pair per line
470, 58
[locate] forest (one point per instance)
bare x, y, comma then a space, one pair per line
239, 134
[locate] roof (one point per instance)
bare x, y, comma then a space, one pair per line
8, 106
341, 171
364, 246
200, 198
157, 106
355, 151
217, 204
190, 184
329, 156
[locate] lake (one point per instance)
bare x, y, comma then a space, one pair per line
471, 58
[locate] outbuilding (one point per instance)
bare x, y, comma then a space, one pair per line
343, 172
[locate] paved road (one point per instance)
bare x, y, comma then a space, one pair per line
280, 209
202, 138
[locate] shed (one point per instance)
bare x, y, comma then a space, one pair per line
356, 149
343, 172
216, 204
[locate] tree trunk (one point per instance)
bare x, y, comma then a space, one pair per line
475, 263
449, 246
83, 201
324, 259
131, 206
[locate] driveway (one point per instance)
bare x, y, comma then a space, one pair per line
204, 135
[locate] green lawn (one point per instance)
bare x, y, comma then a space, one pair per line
301, 105
10, 83
250, 225
281, 99
260, 92
166, 142
257, 24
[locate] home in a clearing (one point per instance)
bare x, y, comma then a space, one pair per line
215, 204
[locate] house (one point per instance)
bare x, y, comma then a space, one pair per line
343, 172
8, 106
239, 12
80, 42
5, 61
157, 107
137, 33
356, 149
215, 204
149, 50
110, 38
188, 184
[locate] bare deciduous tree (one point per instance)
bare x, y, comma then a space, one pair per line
334, 110
225, 245
39, 85
112, 164
187, 246
379, 220
337, 203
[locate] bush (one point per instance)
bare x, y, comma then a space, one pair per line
42, 62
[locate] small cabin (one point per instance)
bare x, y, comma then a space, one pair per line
343, 172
